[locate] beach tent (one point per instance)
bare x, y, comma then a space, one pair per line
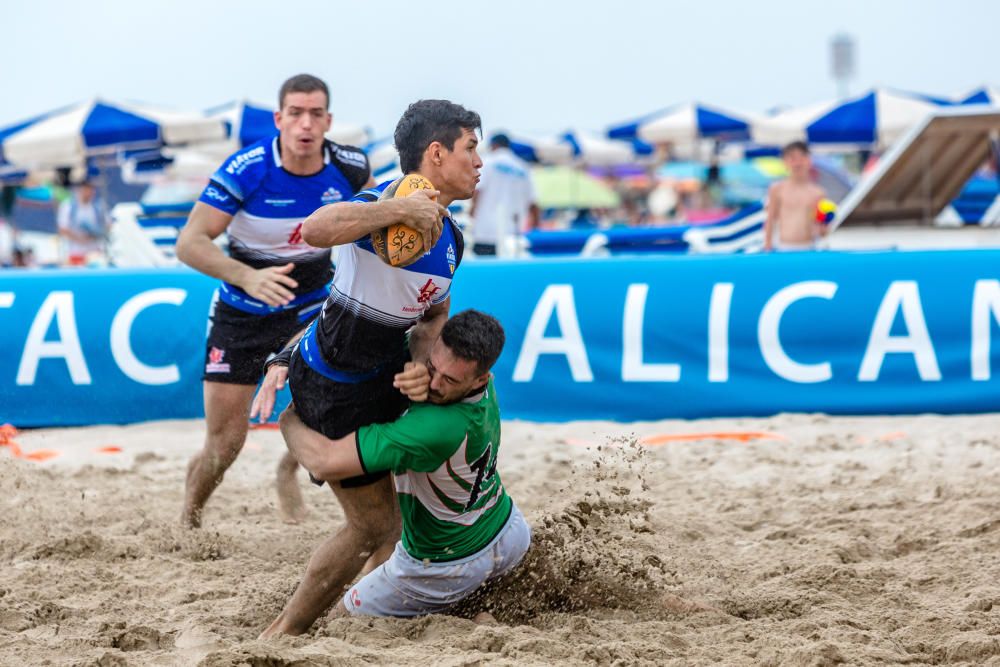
68, 136
685, 124
873, 119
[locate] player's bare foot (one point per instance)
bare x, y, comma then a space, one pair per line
290, 503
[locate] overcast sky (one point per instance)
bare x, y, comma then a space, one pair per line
528, 65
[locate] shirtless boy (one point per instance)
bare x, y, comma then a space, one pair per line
791, 204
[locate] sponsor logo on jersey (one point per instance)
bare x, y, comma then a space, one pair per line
216, 194
215, 365
331, 195
241, 161
428, 291
279, 202
451, 257
353, 158
355, 598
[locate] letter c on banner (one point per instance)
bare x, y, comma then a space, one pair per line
121, 332
770, 342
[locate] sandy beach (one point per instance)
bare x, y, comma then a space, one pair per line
860, 541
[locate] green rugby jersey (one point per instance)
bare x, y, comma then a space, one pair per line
445, 461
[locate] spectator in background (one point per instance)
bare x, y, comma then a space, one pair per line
83, 222
504, 203
791, 204
23, 258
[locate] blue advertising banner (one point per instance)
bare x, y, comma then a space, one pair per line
618, 338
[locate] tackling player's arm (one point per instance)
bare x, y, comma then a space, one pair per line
346, 222
195, 248
328, 460
419, 440
413, 381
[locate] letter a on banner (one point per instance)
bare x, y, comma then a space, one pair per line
902, 295
58, 306
558, 298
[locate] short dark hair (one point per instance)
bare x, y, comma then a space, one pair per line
427, 121
474, 336
795, 146
302, 83
500, 140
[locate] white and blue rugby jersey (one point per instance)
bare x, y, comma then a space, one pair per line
268, 205
372, 305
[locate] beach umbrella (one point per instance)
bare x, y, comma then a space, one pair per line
68, 136
875, 118
566, 187
985, 95
685, 124
541, 149
593, 150
248, 122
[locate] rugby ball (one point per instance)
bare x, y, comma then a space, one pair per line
399, 244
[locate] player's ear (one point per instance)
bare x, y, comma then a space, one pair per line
481, 381
434, 153
277, 119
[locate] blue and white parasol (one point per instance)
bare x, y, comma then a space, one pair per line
685, 124
67, 137
873, 119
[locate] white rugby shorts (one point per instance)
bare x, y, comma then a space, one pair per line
405, 586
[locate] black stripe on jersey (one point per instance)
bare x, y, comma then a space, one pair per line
220, 186
367, 195
312, 271
360, 309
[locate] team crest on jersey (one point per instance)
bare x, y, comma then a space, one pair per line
331, 195
451, 257
215, 365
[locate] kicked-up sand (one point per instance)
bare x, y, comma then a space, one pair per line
862, 541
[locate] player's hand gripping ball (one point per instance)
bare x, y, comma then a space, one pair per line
399, 244
826, 211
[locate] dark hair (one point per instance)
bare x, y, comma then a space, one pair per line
302, 83
795, 146
474, 336
427, 121
500, 140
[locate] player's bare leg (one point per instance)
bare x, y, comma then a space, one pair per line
290, 503
371, 528
371, 522
227, 410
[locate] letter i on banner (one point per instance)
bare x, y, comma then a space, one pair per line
718, 332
